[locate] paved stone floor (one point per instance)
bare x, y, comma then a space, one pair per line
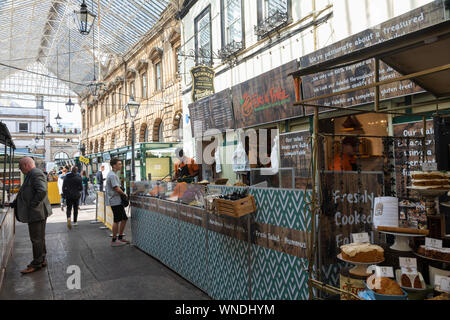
106, 272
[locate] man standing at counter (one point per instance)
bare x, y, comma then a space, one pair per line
185, 166
33, 207
114, 196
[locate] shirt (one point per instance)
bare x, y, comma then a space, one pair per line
344, 164
99, 177
112, 196
85, 181
192, 166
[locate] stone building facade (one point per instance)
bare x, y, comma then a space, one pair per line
149, 72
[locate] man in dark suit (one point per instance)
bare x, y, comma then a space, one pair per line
33, 207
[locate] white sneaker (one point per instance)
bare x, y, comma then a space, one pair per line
117, 243
75, 224
69, 224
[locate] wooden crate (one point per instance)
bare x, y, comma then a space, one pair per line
236, 208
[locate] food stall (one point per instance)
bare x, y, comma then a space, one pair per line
258, 255
8, 184
380, 170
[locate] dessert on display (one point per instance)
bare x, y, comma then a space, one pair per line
434, 253
362, 252
384, 286
430, 179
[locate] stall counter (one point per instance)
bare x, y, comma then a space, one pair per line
260, 256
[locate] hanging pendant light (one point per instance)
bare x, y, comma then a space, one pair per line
69, 104
94, 86
49, 126
85, 19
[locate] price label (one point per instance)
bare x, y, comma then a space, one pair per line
445, 284
433, 243
408, 262
360, 237
409, 270
384, 272
429, 166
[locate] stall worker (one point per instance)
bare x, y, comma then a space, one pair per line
346, 161
185, 166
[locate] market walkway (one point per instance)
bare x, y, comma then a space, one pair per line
106, 273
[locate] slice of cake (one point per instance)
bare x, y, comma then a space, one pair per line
362, 252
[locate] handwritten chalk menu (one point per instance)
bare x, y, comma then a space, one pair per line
363, 73
295, 152
348, 77
213, 112
346, 210
409, 154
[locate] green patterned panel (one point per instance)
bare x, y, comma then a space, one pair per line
228, 267
278, 276
168, 242
193, 255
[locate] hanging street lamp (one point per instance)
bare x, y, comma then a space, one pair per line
70, 105
132, 108
95, 87
57, 118
49, 127
85, 19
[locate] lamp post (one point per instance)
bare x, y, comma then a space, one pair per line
132, 108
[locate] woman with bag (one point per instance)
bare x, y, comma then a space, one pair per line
85, 183
72, 188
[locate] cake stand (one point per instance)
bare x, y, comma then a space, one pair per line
360, 268
401, 242
430, 195
429, 258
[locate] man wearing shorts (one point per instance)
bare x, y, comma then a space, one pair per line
114, 195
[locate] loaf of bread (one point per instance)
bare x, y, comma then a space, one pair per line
386, 286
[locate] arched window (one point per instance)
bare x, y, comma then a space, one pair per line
161, 132
61, 156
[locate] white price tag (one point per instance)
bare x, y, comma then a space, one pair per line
384, 272
360, 237
445, 284
409, 270
433, 243
408, 262
429, 166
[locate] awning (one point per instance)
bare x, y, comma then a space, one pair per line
422, 56
5, 136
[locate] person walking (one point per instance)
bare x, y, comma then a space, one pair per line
61, 177
114, 196
72, 188
85, 183
99, 177
32, 206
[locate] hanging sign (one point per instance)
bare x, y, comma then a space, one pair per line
202, 82
84, 160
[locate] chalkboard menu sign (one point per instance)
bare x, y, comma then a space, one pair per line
409, 153
295, 152
346, 209
356, 75
363, 73
266, 98
213, 112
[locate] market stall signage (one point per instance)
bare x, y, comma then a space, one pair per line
84, 160
213, 112
408, 262
409, 156
295, 152
266, 98
363, 73
202, 82
346, 209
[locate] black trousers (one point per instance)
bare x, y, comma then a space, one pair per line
72, 203
37, 237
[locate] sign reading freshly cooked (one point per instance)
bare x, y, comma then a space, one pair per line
84, 160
